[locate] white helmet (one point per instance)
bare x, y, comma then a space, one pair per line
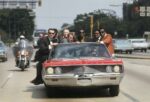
22, 37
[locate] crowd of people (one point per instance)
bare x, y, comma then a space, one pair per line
52, 38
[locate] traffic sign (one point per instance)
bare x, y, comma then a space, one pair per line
21, 4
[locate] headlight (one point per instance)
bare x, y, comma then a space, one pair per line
58, 70
116, 69
109, 69
50, 70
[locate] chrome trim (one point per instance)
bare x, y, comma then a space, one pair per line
99, 79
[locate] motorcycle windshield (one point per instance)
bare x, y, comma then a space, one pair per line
23, 45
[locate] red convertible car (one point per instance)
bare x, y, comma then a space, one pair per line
83, 65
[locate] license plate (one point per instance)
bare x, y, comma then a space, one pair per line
84, 81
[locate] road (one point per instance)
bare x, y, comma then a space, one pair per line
15, 85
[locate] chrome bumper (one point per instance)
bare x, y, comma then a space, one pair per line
2, 56
71, 80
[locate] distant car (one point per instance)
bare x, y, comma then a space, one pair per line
36, 35
83, 65
3, 52
122, 45
139, 44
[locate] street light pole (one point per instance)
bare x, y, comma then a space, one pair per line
91, 24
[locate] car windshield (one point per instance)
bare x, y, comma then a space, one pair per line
1, 45
23, 44
38, 32
80, 51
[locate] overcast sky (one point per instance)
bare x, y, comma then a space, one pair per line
53, 13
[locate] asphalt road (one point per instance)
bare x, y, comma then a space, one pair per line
15, 85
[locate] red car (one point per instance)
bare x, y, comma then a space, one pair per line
83, 65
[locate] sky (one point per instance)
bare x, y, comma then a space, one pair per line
53, 13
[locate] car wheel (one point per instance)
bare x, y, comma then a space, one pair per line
51, 91
4, 59
114, 90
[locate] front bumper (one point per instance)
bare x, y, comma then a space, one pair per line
102, 79
2, 56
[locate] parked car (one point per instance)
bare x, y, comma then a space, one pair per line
83, 65
3, 52
139, 44
123, 45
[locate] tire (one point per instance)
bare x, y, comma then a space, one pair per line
22, 65
130, 52
145, 50
114, 90
4, 59
51, 91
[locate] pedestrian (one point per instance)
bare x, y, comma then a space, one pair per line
107, 40
43, 53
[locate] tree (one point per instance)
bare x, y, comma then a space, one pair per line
15, 22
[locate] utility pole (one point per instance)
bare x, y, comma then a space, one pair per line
91, 25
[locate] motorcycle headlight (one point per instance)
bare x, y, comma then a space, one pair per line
116, 69
109, 69
50, 70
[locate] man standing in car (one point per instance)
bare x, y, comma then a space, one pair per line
107, 40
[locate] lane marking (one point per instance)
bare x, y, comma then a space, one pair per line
7, 79
130, 97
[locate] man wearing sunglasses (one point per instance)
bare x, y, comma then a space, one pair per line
107, 40
44, 50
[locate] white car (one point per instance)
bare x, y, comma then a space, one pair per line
3, 52
139, 44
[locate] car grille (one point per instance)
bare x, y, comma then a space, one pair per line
83, 69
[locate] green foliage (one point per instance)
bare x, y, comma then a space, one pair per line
15, 22
135, 24
107, 21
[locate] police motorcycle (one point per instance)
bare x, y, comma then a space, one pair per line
23, 53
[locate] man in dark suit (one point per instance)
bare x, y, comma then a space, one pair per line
44, 50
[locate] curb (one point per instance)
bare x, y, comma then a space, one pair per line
132, 56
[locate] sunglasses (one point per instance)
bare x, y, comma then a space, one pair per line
96, 33
51, 33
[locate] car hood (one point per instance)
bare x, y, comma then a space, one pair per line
85, 61
123, 46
